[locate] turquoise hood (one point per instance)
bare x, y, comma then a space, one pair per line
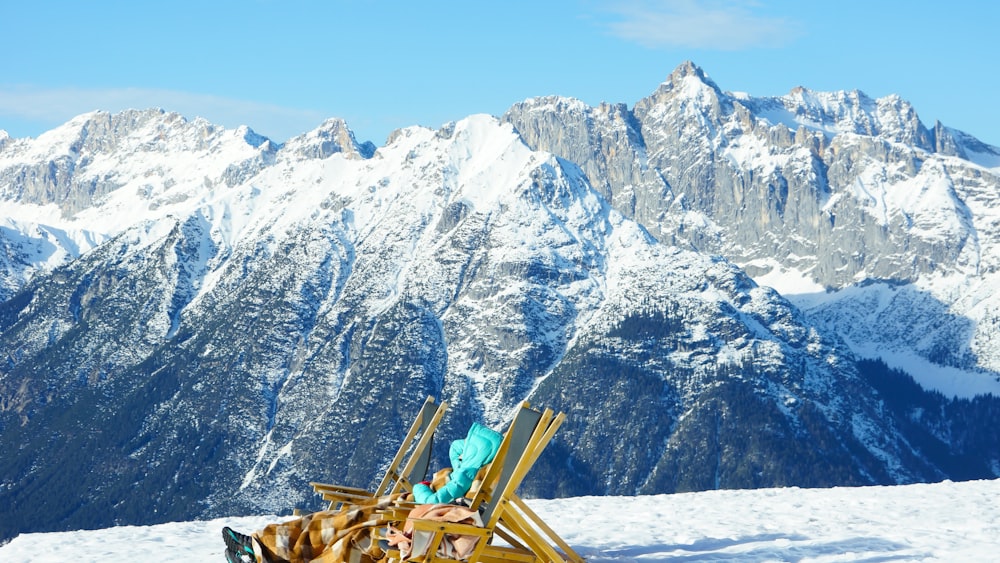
468, 456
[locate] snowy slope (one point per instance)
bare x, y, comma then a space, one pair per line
944, 522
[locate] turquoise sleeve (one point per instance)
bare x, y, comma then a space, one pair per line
421, 493
456, 488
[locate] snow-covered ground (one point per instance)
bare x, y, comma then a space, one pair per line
936, 522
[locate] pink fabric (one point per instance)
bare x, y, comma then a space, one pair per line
453, 546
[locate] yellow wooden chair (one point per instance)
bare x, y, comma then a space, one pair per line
399, 475
504, 514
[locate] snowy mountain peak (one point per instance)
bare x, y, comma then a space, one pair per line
689, 80
252, 138
689, 92
953, 142
333, 136
853, 112
686, 70
479, 161
559, 104
136, 131
74, 187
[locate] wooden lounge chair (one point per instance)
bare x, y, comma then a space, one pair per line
503, 513
399, 476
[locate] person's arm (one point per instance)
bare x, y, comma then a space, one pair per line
457, 486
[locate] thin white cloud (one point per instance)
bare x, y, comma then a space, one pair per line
728, 25
54, 106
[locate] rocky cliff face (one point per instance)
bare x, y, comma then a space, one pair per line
834, 188
226, 319
805, 179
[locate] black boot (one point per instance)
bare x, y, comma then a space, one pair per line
239, 547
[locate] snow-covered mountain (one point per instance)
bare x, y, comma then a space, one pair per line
199, 321
812, 193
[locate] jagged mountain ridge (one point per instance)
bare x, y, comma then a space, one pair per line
283, 326
831, 190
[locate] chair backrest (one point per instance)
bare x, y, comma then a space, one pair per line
520, 447
418, 443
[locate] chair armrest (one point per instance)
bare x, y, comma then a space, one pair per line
327, 487
336, 496
437, 526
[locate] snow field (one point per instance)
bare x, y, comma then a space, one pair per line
925, 522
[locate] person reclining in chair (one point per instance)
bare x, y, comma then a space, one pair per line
467, 457
329, 535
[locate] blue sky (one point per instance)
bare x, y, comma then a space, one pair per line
282, 67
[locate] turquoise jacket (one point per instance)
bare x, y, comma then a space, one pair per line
478, 448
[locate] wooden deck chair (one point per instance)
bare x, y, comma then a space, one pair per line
532, 539
398, 476
503, 512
